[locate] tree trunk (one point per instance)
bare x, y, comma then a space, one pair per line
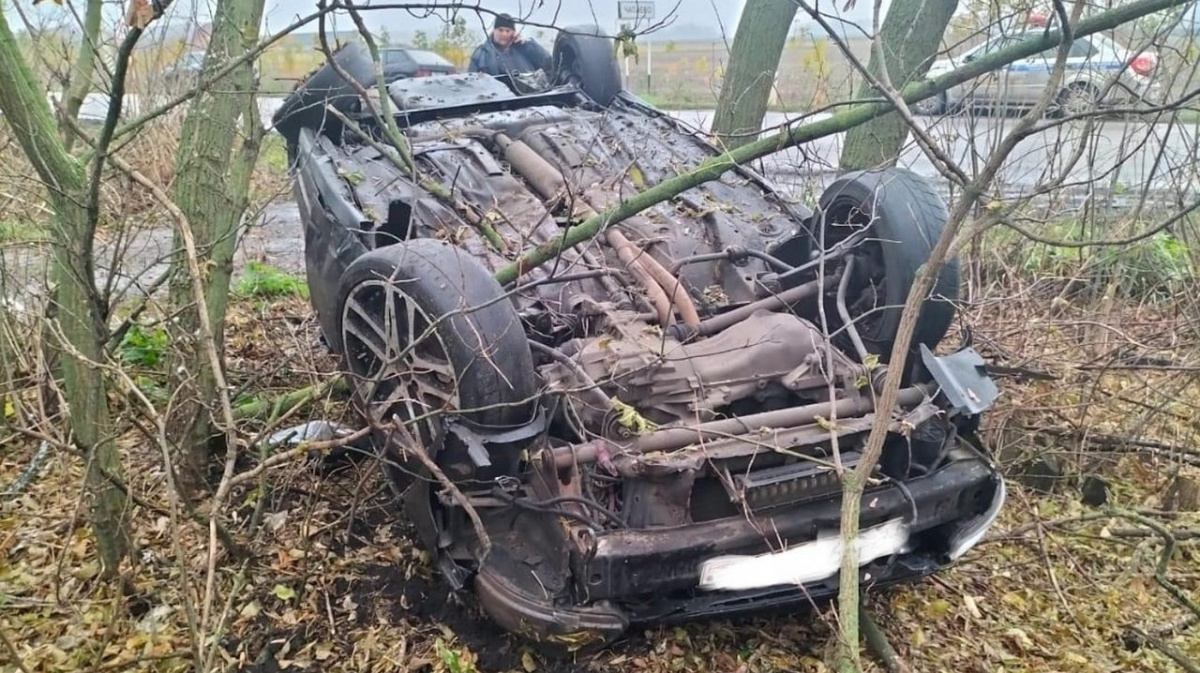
911, 35
211, 190
79, 317
753, 61
805, 131
80, 82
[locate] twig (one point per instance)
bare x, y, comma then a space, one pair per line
412, 447
878, 644
1183, 534
229, 67
295, 452
1170, 651
1164, 559
12, 651
1045, 554
30, 473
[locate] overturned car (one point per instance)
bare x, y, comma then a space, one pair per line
650, 426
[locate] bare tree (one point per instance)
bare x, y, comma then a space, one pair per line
80, 78
217, 152
761, 36
80, 326
902, 49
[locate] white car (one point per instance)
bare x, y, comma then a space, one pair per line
1099, 72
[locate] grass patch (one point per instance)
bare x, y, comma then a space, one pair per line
1155, 267
20, 231
143, 346
273, 155
263, 281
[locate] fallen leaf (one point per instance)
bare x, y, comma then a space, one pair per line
283, 592
972, 607
251, 609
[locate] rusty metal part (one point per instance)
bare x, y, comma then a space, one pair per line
661, 286
759, 360
539, 173
632, 257
844, 312
674, 287
677, 438
776, 302
600, 199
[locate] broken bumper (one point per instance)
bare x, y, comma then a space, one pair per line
652, 575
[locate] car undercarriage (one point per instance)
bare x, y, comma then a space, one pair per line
651, 426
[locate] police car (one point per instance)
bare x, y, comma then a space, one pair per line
1099, 73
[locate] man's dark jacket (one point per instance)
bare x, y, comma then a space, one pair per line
524, 56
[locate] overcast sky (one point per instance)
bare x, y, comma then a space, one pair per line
712, 17
689, 19
711, 14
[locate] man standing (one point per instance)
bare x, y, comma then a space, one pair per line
507, 52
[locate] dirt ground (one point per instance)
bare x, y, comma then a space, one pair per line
334, 581
1098, 379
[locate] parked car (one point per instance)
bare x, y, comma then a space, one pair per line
401, 62
650, 427
1099, 72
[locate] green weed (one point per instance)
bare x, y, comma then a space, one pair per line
1151, 268
452, 660
264, 281
18, 231
143, 346
273, 154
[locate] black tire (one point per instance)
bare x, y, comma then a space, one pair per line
585, 56
1075, 98
305, 106
465, 342
906, 217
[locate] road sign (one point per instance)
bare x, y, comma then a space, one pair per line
635, 9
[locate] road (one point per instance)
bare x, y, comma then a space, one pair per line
1117, 162
1109, 163
1116, 159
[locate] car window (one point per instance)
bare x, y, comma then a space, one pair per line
423, 57
993, 45
395, 58
1081, 48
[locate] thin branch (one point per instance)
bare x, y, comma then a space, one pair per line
798, 134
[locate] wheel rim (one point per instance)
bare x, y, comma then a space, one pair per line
397, 360
1078, 100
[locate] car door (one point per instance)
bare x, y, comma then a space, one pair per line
1030, 76
991, 89
397, 65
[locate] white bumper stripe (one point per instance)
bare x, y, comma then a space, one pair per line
808, 562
